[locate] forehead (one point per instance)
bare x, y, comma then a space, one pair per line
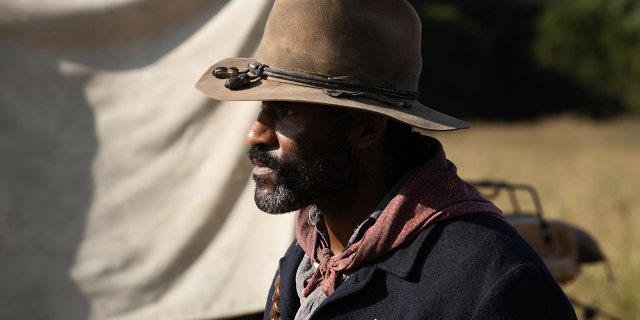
306, 105
303, 119
323, 111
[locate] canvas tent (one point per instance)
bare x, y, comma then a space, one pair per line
124, 192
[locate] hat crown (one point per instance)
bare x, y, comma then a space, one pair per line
360, 54
376, 42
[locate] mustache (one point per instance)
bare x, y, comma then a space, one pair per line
263, 156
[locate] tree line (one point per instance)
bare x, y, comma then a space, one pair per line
513, 59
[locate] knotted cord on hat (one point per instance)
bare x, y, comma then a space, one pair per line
237, 79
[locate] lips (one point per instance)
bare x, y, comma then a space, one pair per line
260, 168
262, 172
265, 164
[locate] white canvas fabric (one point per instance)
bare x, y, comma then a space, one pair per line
125, 193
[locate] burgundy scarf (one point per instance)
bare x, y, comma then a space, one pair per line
433, 194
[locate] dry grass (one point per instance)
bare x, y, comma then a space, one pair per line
587, 173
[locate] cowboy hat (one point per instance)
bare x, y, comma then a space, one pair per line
361, 54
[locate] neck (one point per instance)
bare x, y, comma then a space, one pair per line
343, 217
380, 175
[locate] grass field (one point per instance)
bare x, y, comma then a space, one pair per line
586, 173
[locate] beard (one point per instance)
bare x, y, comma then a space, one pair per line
312, 175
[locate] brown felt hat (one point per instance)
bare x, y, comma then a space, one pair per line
361, 54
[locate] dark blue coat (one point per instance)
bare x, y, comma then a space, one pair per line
470, 267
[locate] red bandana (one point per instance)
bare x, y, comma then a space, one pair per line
434, 193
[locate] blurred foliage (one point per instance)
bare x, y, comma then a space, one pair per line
512, 59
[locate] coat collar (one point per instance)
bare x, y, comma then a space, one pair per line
402, 261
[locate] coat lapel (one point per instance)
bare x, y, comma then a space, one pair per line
289, 301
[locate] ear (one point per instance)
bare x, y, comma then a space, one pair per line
369, 129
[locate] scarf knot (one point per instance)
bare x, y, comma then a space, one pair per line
325, 274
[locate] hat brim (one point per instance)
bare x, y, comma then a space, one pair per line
417, 115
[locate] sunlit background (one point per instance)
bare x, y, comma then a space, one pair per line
553, 92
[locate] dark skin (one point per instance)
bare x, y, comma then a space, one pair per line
281, 126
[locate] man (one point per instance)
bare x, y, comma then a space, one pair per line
386, 229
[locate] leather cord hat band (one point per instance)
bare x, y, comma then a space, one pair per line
237, 80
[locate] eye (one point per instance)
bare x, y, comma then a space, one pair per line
285, 111
281, 109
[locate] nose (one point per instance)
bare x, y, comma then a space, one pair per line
261, 133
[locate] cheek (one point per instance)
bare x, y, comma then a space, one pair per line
296, 138
287, 147
290, 130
